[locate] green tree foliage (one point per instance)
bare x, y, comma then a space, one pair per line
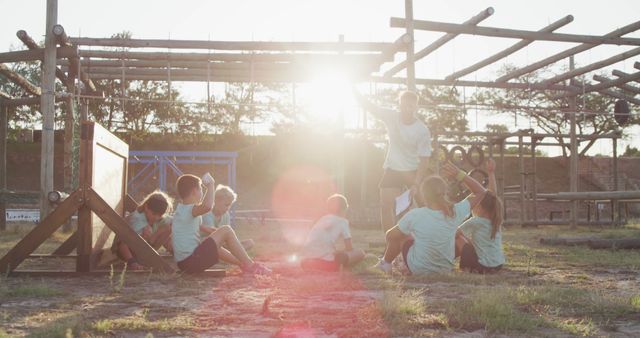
631, 152
553, 115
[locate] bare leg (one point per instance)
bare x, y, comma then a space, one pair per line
124, 251
394, 246
355, 256
162, 238
387, 207
227, 237
226, 256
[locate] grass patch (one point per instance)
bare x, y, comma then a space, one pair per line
492, 310
65, 327
142, 323
33, 291
405, 312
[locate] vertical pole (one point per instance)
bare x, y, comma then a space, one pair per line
501, 180
573, 165
84, 110
534, 186
69, 170
523, 181
340, 167
363, 161
47, 108
411, 67
615, 210
3, 164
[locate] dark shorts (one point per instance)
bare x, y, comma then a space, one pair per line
397, 179
323, 265
469, 261
405, 251
202, 258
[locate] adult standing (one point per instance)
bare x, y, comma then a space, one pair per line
408, 152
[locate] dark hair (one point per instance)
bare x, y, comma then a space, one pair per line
493, 205
158, 202
336, 204
434, 190
186, 184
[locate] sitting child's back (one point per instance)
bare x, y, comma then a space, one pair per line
323, 236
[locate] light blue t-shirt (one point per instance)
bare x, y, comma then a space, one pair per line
209, 220
434, 234
138, 221
489, 251
185, 231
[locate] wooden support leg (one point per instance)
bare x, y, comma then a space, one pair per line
68, 246
144, 252
40, 233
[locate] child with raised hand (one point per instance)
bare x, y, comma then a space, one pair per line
319, 253
151, 222
426, 236
224, 197
479, 239
194, 254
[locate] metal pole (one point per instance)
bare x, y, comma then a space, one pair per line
614, 203
523, 182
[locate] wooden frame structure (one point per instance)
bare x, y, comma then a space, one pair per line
242, 61
100, 204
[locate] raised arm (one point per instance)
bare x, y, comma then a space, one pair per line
207, 203
491, 172
477, 190
367, 105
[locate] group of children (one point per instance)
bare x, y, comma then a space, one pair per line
429, 237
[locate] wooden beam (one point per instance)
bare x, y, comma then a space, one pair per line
506, 52
60, 35
31, 44
4, 111
626, 87
567, 53
68, 245
482, 84
4, 95
19, 80
233, 45
47, 108
578, 90
514, 33
37, 54
605, 85
440, 42
143, 251
620, 73
29, 243
25, 101
596, 65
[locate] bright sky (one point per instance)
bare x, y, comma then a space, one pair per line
325, 20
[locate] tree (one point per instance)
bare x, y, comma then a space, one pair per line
552, 115
631, 152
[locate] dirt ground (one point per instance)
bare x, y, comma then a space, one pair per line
555, 291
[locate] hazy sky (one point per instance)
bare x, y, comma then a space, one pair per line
325, 20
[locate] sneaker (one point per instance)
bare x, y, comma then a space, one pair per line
383, 266
257, 269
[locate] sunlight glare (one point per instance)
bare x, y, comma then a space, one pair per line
329, 96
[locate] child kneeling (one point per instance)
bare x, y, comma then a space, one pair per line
192, 254
151, 222
319, 252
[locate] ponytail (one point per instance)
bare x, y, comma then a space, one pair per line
493, 205
434, 191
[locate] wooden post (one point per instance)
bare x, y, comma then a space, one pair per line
411, 66
3, 163
340, 165
364, 173
69, 134
523, 181
84, 110
614, 203
501, 178
534, 186
573, 165
47, 108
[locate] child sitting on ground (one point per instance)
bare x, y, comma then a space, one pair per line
479, 239
224, 197
192, 254
319, 252
426, 236
150, 221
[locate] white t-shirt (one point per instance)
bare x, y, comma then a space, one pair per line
185, 231
434, 235
323, 236
407, 142
489, 251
